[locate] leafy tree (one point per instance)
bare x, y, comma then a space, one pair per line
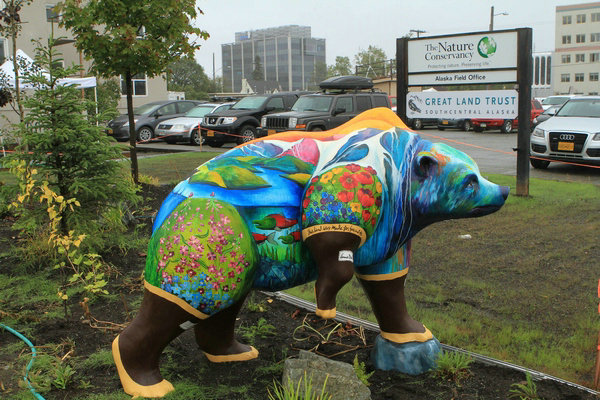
74, 157
371, 62
108, 94
342, 66
10, 26
131, 37
319, 74
186, 75
257, 73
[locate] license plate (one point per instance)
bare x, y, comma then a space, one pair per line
483, 125
444, 122
271, 131
109, 131
210, 133
566, 146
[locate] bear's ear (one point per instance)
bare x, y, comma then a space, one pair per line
425, 164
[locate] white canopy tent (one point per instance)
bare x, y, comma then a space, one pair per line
26, 63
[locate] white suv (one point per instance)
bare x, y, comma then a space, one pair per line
572, 134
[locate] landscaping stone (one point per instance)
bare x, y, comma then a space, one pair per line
342, 383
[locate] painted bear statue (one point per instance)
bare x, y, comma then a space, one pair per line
288, 209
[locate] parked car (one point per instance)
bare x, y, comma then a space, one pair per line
505, 125
573, 134
547, 114
146, 117
341, 102
462, 124
239, 123
558, 100
185, 129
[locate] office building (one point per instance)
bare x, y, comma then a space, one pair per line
577, 49
286, 54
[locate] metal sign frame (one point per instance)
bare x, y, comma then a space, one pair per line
523, 82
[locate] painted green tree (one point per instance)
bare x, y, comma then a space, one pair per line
130, 37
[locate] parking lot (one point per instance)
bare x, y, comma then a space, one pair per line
493, 152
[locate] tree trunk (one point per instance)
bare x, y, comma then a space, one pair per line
16, 69
132, 132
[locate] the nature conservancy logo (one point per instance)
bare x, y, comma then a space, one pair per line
486, 47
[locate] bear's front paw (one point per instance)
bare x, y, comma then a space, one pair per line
411, 358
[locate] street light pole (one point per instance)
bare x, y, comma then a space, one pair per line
417, 31
492, 15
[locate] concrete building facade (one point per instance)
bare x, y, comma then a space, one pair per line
577, 49
287, 54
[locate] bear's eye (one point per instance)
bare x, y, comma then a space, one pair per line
471, 182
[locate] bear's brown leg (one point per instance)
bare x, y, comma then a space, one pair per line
335, 270
138, 348
215, 337
389, 306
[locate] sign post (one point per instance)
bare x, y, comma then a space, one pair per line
467, 59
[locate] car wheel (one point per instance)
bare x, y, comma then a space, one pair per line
316, 129
477, 129
145, 134
467, 125
247, 133
195, 138
539, 164
440, 128
506, 126
417, 124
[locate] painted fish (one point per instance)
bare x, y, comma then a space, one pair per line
274, 221
295, 236
260, 238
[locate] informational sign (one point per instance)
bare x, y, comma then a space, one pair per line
479, 51
497, 104
462, 78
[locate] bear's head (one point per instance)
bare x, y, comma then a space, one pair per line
446, 184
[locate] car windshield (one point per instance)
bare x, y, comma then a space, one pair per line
199, 111
580, 108
145, 108
554, 101
249, 103
312, 103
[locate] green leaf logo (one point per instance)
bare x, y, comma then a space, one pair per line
486, 47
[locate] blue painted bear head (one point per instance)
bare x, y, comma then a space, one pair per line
446, 184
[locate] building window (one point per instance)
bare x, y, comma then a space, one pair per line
580, 38
579, 57
566, 39
51, 14
594, 57
595, 17
566, 19
566, 58
594, 76
139, 85
595, 37
565, 77
579, 77
580, 18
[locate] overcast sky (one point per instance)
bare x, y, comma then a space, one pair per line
350, 26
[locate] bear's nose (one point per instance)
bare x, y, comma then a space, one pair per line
504, 190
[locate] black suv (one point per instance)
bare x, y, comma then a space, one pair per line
239, 123
341, 100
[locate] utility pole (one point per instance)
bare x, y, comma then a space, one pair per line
492, 15
417, 31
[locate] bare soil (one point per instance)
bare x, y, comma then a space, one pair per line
191, 372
